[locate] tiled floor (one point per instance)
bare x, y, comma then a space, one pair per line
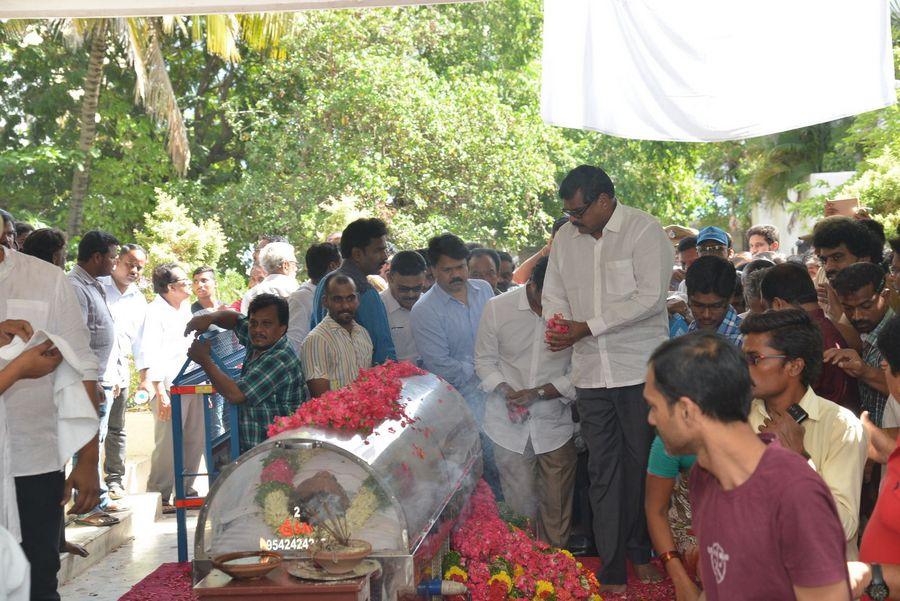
130, 563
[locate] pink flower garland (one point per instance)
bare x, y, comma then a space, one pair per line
360, 407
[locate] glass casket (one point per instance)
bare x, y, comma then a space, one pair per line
406, 486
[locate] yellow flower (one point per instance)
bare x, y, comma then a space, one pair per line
518, 571
501, 577
595, 597
543, 590
567, 554
456, 571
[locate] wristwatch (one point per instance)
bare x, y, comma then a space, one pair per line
877, 590
542, 394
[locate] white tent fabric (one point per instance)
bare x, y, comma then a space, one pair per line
707, 70
47, 9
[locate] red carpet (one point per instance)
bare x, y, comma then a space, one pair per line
172, 582
637, 591
168, 582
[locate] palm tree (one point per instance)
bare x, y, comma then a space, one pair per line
142, 37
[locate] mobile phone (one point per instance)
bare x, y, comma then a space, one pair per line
797, 412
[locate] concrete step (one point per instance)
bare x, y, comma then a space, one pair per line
143, 511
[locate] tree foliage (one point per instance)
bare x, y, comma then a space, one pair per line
427, 117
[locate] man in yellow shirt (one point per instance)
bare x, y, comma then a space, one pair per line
784, 353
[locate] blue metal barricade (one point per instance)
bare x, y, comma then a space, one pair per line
220, 421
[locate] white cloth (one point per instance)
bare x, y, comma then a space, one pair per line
77, 420
401, 331
709, 70
9, 507
15, 573
617, 284
164, 346
300, 305
44, 9
128, 310
891, 417
510, 347
39, 293
276, 283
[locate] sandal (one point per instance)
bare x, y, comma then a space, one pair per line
97, 519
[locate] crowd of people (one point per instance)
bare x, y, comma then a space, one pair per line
639, 390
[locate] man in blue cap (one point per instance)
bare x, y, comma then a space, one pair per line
714, 241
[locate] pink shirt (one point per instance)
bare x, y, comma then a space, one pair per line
777, 530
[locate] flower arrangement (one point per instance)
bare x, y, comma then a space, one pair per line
497, 561
556, 324
359, 407
274, 492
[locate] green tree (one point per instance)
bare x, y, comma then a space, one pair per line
171, 236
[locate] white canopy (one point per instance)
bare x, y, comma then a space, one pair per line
47, 9
707, 70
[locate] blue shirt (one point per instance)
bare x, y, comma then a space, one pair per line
678, 326
371, 314
445, 330
730, 327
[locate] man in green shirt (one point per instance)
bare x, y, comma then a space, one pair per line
271, 380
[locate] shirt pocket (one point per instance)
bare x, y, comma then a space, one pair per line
619, 277
35, 312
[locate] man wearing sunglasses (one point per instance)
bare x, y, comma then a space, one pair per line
608, 276
783, 351
711, 281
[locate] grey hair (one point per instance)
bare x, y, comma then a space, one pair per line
753, 285
274, 254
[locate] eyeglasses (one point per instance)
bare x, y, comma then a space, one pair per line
755, 358
576, 213
711, 249
700, 307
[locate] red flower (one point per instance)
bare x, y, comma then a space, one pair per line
360, 407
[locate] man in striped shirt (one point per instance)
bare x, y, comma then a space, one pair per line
338, 347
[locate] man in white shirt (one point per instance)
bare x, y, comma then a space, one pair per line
320, 259
35, 291
608, 277
128, 307
163, 353
278, 259
406, 282
534, 451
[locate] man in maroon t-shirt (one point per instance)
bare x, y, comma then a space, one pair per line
766, 525
788, 286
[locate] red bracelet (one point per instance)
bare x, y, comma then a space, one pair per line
665, 557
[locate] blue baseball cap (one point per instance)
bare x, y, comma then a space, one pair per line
712, 234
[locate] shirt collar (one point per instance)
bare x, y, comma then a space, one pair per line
390, 303
615, 220
333, 325
522, 304
349, 268
613, 225
812, 403
446, 299
83, 276
871, 338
